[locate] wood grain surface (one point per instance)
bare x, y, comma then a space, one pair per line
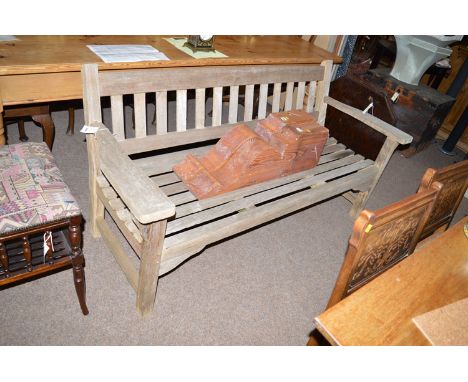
381, 312
47, 68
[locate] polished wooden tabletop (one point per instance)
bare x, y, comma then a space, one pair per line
35, 69
48, 54
382, 312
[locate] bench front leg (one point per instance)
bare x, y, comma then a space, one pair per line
96, 208
380, 163
150, 261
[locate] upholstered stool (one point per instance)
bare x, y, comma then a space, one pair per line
40, 220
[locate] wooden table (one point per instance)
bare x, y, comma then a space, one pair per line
47, 68
382, 312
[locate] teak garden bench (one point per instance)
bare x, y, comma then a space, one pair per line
161, 220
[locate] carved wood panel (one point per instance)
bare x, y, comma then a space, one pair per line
384, 246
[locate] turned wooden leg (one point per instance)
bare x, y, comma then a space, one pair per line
4, 260
150, 260
2, 129
78, 262
22, 133
71, 121
48, 128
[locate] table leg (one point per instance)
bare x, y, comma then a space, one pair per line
71, 121
2, 129
48, 128
22, 133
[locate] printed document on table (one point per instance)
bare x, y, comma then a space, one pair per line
127, 53
7, 38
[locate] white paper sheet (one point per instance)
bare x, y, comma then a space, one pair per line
8, 38
127, 53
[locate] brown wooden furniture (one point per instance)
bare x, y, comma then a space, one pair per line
454, 181
453, 118
163, 221
418, 111
40, 114
379, 240
22, 259
382, 312
40, 220
47, 68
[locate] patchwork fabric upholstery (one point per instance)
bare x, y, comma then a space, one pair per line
32, 190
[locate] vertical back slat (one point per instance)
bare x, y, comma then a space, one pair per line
311, 96
276, 98
262, 103
139, 100
289, 96
233, 103
181, 106
300, 95
117, 111
200, 108
217, 106
248, 102
161, 112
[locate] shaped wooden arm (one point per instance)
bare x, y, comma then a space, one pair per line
377, 124
142, 196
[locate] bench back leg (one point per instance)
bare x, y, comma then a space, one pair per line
380, 163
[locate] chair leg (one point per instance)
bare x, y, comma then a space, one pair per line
2, 126
22, 133
71, 121
78, 262
317, 339
48, 128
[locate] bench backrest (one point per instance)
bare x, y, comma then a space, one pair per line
305, 85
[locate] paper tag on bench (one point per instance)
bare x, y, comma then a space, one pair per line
89, 129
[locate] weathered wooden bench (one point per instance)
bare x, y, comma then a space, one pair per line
161, 220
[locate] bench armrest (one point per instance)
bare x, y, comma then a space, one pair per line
377, 124
142, 196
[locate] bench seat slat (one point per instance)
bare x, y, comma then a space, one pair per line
179, 247
355, 163
187, 197
198, 205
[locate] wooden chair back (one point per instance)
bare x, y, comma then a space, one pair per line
382, 238
454, 180
179, 81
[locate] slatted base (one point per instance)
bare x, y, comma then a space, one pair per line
198, 223
17, 263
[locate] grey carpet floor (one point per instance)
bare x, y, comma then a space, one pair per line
262, 287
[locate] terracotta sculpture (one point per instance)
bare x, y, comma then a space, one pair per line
282, 144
